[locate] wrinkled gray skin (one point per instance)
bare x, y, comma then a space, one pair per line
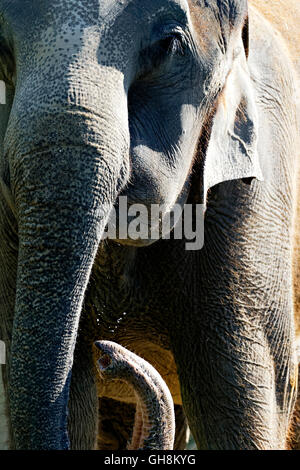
154, 423
158, 101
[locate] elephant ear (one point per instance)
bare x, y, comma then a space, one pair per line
232, 148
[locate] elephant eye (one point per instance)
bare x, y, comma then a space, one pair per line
156, 55
172, 44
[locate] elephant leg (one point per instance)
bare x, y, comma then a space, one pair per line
8, 274
116, 422
237, 363
83, 401
182, 432
294, 440
137, 428
229, 394
294, 434
4, 430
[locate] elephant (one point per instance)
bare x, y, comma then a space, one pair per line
161, 103
154, 422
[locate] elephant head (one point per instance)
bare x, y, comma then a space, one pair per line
105, 98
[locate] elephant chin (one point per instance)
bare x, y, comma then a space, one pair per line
140, 243
132, 237
139, 223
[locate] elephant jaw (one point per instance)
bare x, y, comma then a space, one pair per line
141, 222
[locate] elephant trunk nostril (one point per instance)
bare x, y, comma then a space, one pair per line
154, 426
104, 362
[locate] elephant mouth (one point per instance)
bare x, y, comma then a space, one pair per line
141, 223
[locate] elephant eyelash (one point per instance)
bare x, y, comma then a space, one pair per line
172, 45
156, 55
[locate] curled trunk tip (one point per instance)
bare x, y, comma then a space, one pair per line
154, 426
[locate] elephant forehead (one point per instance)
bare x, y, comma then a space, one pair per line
89, 11
111, 8
107, 31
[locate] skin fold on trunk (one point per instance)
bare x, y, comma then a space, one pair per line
154, 426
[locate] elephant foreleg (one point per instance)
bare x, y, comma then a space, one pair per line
8, 274
4, 433
83, 401
294, 431
116, 422
238, 394
137, 429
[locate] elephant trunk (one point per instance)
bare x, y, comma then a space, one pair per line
65, 180
154, 427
